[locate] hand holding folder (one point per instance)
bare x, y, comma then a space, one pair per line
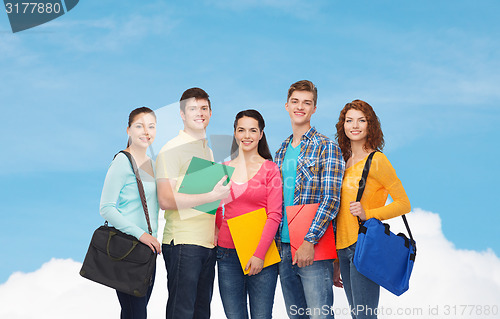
246, 231
201, 177
300, 218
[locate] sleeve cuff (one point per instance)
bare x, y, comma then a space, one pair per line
310, 238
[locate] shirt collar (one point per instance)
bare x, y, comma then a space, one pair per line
310, 133
188, 138
307, 135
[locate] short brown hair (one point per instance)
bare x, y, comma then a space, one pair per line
196, 93
374, 138
303, 85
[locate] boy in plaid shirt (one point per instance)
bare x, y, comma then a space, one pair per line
312, 169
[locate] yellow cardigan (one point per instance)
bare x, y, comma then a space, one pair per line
382, 180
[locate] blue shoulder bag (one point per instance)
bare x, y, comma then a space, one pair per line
381, 256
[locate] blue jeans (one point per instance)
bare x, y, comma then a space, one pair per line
234, 287
362, 293
308, 291
190, 280
134, 307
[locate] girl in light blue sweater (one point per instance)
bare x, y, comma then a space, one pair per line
121, 203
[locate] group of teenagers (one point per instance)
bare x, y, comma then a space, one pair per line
308, 168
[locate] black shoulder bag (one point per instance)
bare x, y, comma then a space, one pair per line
119, 260
385, 258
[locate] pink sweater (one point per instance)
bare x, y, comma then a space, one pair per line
264, 190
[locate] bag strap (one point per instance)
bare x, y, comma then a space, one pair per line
408, 228
364, 175
361, 189
140, 187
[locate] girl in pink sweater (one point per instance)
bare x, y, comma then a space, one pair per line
256, 183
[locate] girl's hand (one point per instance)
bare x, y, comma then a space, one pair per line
152, 242
255, 264
357, 210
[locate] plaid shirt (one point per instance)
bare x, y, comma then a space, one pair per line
320, 169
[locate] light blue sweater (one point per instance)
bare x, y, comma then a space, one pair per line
120, 200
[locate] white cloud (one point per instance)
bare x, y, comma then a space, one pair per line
450, 279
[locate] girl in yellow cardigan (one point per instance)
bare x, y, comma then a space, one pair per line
358, 134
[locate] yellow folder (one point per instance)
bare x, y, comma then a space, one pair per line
246, 231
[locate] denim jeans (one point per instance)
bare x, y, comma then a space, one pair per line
190, 280
234, 287
362, 293
308, 291
134, 307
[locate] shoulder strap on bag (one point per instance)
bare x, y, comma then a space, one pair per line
362, 181
361, 189
408, 228
140, 187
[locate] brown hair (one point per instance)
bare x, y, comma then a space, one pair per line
197, 93
303, 85
374, 138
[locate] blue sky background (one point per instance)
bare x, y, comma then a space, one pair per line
429, 69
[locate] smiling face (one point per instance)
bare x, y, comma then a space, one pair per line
300, 107
356, 125
247, 134
196, 115
142, 130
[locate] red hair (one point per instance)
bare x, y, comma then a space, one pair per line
374, 138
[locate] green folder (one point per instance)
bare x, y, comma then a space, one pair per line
201, 177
